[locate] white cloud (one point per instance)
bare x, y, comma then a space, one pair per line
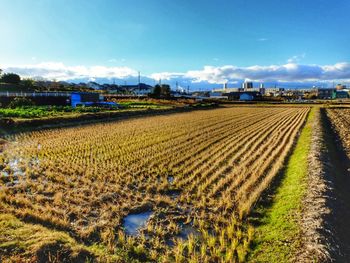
289, 72
166, 75
296, 58
59, 71
262, 39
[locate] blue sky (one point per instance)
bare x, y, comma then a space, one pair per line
160, 36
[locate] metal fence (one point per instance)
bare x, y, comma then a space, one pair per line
35, 94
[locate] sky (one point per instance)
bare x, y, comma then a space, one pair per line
198, 43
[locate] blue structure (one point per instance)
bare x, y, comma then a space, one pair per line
243, 96
84, 99
90, 99
246, 97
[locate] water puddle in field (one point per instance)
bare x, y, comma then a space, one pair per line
134, 222
14, 173
14, 165
4, 173
170, 179
187, 230
173, 194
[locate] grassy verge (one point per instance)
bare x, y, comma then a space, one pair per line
277, 228
25, 242
21, 241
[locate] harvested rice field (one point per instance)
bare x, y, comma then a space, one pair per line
161, 188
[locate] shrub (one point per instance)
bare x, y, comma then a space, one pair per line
20, 102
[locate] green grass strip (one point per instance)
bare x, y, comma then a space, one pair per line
277, 235
22, 242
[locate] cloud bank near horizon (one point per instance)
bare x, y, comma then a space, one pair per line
61, 72
290, 72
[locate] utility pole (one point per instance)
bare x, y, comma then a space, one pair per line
139, 79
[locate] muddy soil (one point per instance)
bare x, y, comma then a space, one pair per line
337, 170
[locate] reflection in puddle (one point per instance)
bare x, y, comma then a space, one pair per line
170, 179
4, 173
14, 165
134, 222
173, 194
15, 170
186, 231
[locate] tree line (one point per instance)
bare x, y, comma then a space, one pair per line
10, 78
159, 91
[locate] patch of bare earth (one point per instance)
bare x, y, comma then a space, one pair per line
317, 238
336, 124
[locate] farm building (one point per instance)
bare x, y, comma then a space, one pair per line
249, 96
94, 85
273, 92
243, 96
341, 94
85, 98
325, 93
232, 95
138, 89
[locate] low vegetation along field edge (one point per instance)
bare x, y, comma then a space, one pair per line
277, 226
26, 242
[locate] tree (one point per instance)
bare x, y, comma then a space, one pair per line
28, 83
157, 91
165, 91
11, 78
161, 91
